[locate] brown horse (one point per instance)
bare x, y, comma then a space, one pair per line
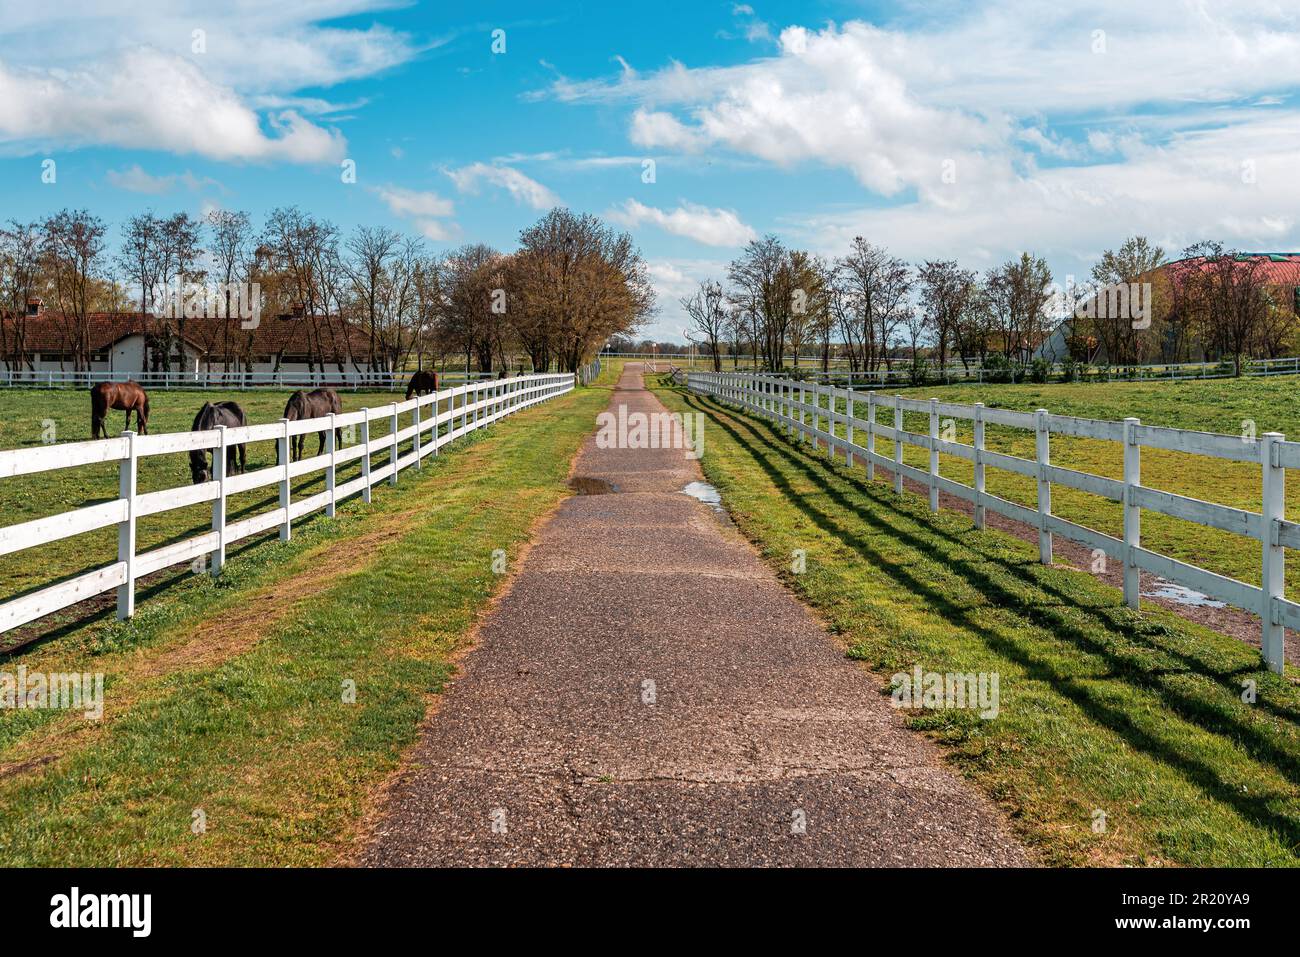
422, 383
129, 396
210, 416
312, 405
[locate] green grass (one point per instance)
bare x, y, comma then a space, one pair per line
1139, 716
1219, 405
29, 416
259, 737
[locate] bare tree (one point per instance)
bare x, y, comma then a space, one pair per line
73, 242
1017, 292
232, 238
946, 293
1123, 339
20, 276
707, 309
876, 287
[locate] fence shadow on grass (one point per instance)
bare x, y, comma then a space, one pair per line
972, 560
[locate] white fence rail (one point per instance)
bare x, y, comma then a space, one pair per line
351, 380
435, 420
787, 402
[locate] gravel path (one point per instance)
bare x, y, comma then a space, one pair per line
648, 693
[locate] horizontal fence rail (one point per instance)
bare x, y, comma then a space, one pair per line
799, 407
351, 380
898, 372
435, 420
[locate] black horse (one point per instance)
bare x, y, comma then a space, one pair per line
422, 383
210, 416
312, 405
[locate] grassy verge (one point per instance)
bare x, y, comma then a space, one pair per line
230, 705
31, 418
1137, 717
1233, 407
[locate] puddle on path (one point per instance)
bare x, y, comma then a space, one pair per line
706, 493
1181, 595
586, 485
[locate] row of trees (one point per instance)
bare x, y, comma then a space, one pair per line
868, 306
572, 284
871, 307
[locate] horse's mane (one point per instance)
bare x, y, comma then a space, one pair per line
205, 419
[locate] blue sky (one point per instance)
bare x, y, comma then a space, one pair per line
957, 130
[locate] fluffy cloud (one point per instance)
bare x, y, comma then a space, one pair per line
982, 130
524, 190
217, 83
119, 103
427, 210
714, 227
136, 180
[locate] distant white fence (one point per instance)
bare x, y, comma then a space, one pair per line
475, 405
353, 381
787, 402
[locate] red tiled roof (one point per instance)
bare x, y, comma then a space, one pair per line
1274, 269
55, 332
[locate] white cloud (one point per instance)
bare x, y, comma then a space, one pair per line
524, 189
714, 227
672, 279
119, 103
219, 83
251, 47
136, 180
1061, 139
426, 209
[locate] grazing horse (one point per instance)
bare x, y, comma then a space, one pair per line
210, 416
422, 383
129, 396
311, 405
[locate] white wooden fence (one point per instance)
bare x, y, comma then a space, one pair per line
216, 379
788, 402
473, 406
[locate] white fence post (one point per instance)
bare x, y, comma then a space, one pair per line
126, 487
898, 444
979, 464
331, 470
803, 414
1132, 513
848, 424
219, 503
433, 433
1042, 445
1274, 556
392, 478
415, 417
871, 435
934, 455
365, 459
286, 529
816, 417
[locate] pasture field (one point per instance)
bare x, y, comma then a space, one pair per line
1216, 405
228, 735
1122, 738
31, 417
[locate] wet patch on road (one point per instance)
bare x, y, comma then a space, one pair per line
586, 485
